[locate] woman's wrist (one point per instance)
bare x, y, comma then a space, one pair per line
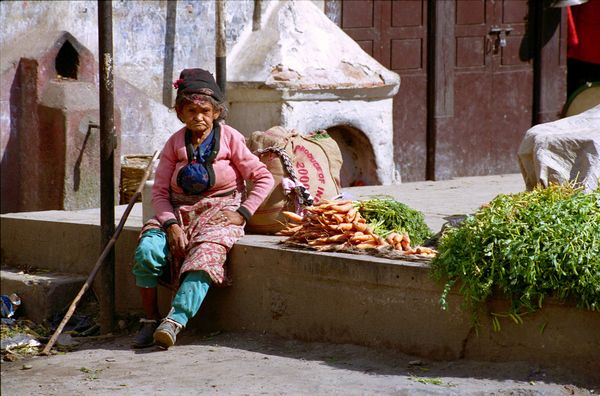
244, 212
169, 223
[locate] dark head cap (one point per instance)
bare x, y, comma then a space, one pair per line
197, 81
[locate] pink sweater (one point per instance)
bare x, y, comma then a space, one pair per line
233, 165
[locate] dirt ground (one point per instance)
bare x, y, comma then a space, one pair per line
251, 364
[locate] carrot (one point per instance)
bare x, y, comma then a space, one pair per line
293, 216
339, 218
365, 246
285, 232
361, 239
342, 208
380, 241
294, 229
343, 227
313, 235
405, 245
338, 238
424, 250
359, 226
334, 202
351, 215
319, 241
391, 239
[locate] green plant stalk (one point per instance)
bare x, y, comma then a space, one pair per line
527, 246
387, 215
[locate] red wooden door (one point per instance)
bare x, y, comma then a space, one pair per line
492, 90
395, 34
484, 56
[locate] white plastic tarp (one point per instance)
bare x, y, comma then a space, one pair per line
561, 151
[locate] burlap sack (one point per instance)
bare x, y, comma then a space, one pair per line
316, 160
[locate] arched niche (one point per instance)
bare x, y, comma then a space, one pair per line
358, 166
67, 62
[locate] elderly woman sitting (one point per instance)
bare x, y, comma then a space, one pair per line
201, 207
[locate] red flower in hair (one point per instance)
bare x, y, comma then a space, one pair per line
176, 83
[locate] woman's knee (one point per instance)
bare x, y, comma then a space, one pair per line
151, 254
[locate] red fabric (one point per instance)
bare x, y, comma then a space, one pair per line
586, 21
572, 32
209, 237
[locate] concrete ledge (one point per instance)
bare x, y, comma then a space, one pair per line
332, 297
345, 298
42, 295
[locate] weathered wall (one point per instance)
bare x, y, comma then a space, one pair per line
152, 42
139, 29
139, 33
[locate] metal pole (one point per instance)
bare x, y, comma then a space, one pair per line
221, 46
100, 260
105, 284
257, 15
171, 27
431, 87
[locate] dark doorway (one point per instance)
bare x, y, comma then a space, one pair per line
67, 62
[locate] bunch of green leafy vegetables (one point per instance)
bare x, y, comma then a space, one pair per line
527, 246
387, 215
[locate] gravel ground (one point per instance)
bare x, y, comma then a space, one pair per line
250, 364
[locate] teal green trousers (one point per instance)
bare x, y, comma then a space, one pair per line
151, 262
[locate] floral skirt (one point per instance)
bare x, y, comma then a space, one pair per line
209, 237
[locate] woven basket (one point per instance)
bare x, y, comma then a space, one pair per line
133, 167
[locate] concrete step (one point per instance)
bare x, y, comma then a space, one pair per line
42, 294
331, 297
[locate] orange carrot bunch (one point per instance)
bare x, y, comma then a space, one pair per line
338, 223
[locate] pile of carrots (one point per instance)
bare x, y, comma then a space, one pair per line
338, 224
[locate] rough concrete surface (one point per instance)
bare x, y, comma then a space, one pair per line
258, 363
41, 294
250, 364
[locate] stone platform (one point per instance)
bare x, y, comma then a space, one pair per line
332, 297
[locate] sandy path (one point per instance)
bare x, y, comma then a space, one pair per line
247, 364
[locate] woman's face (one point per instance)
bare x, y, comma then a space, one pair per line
199, 117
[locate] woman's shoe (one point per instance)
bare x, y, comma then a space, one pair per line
144, 337
166, 333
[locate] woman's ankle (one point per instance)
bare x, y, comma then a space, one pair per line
150, 303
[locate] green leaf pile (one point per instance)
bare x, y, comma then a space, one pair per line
387, 215
527, 246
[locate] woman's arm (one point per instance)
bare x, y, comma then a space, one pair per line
251, 169
161, 202
161, 199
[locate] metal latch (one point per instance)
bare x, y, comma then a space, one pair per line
501, 34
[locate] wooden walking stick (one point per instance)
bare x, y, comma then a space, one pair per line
100, 260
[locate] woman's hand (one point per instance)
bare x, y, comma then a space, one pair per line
177, 241
231, 217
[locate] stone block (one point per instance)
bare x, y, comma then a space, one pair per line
43, 294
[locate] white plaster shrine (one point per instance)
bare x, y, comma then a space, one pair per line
301, 71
